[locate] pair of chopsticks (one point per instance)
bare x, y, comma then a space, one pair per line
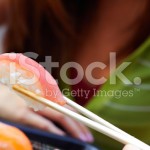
95, 123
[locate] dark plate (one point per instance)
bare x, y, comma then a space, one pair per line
46, 141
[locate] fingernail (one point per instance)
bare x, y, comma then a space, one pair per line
62, 133
83, 137
90, 137
59, 132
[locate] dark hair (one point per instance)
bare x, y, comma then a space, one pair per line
47, 27
50, 27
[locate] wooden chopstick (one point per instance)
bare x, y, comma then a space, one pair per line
98, 119
90, 123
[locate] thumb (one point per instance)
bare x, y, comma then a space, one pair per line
130, 147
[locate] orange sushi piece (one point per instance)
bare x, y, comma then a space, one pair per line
12, 138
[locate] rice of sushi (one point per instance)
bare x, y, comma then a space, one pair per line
11, 73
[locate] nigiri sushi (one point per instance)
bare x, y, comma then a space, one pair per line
21, 70
11, 138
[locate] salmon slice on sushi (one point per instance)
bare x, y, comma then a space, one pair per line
21, 70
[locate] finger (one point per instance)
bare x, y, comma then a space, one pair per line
71, 126
35, 120
86, 131
130, 147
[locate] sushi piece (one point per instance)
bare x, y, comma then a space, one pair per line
11, 138
21, 70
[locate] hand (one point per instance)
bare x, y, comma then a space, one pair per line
14, 108
130, 147
74, 128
